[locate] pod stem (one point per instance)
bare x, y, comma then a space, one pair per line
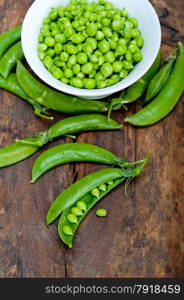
115, 102
42, 112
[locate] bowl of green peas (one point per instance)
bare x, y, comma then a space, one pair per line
91, 48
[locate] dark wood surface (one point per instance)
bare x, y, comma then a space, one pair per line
143, 235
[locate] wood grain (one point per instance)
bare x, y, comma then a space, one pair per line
143, 233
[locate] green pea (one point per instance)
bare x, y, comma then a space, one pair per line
121, 49
53, 14
102, 187
82, 58
99, 77
99, 36
60, 38
113, 44
71, 49
75, 24
91, 30
109, 57
101, 84
139, 41
76, 69
65, 80
80, 75
87, 48
124, 12
132, 48
41, 55
87, 68
92, 74
68, 73
127, 32
117, 25
110, 182
95, 192
93, 42
106, 70
79, 47
101, 60
67, 230
97, 53
82, 205
61, 11
105, 22
46, 33
76, 82
69, 32
55, 31
72, 60
50, 41
137, 57
112, 81
135, 33
50, 52
42, 47
58, 48
90, 83
127, 65
72, 219
128, 56
103, 46
93, 58
133, 21
122, 41
101, 212
123, 73
76, 211
107, 32
57, 73
46, 20
64, 56
40, 38
48, 62
77, 38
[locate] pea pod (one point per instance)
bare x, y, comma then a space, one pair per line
11, 84
10, 58
159, 81
83, 186
75, 152
136, 90
55, 100
88, 201
167, 98
8, 38
24, 148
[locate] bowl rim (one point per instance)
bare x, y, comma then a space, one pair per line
86, 93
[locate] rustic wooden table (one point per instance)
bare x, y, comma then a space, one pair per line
143, 235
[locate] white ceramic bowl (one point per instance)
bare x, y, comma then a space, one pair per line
149, 25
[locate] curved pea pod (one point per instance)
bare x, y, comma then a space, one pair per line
10, 58
15, 153
166, 99
82, 123
89, 201
10, 84
8, 38
74, 152
62, 128
159, 81
83, 186
55, 100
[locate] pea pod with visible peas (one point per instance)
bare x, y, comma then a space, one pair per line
11, 84
26, 147
10, 58
159, 81
74, 152
82, 187
166, 100
8, 38
55, 100
67, 225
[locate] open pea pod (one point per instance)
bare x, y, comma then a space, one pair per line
73, 215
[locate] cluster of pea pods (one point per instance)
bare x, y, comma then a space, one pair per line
74, 203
